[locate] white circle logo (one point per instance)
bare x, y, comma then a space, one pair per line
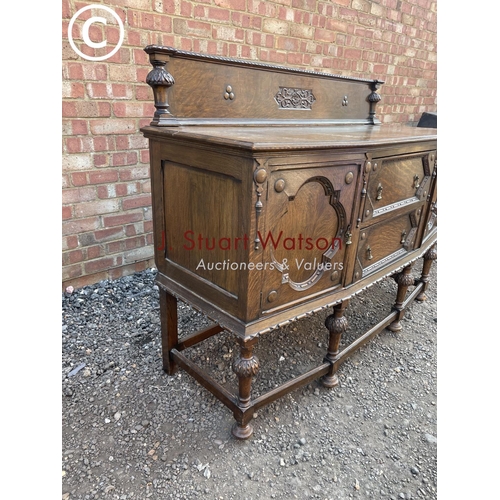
85, 32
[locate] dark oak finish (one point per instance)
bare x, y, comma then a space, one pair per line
277, 194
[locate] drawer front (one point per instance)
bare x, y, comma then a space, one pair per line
385, 242
397, 182
306, 237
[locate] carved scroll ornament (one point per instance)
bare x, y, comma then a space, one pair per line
288, 98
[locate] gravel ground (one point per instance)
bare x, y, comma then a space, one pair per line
129, 431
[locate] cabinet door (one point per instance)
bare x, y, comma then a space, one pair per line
307, 225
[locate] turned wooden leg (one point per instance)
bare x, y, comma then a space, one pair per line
404, 280
169, 334
246, 365
337, 325
429, 257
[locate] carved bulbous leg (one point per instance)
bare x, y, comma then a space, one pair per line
404, 280
337, 324
245, 366
429, 257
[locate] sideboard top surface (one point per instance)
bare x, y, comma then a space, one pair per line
296, 138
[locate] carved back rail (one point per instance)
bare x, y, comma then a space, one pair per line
196, 89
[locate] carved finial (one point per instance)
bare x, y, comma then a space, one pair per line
373, 99
159, 79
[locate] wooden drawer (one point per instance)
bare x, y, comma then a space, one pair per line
397, 182
384, 242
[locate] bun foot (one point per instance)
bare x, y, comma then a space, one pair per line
242, 432
395, 326
421, 297
330, 381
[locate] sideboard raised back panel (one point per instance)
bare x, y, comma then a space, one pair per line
276, 194
208, 88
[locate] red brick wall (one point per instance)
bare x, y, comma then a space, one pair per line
106, 189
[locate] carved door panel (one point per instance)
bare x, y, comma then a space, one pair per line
307, 228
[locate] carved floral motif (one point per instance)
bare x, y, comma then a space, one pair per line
288, 98
336, 325
159, 75
246, 367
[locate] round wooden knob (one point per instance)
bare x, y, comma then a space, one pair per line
279, 185
272, 296
260, 175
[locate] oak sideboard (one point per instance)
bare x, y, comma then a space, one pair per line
276, 194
